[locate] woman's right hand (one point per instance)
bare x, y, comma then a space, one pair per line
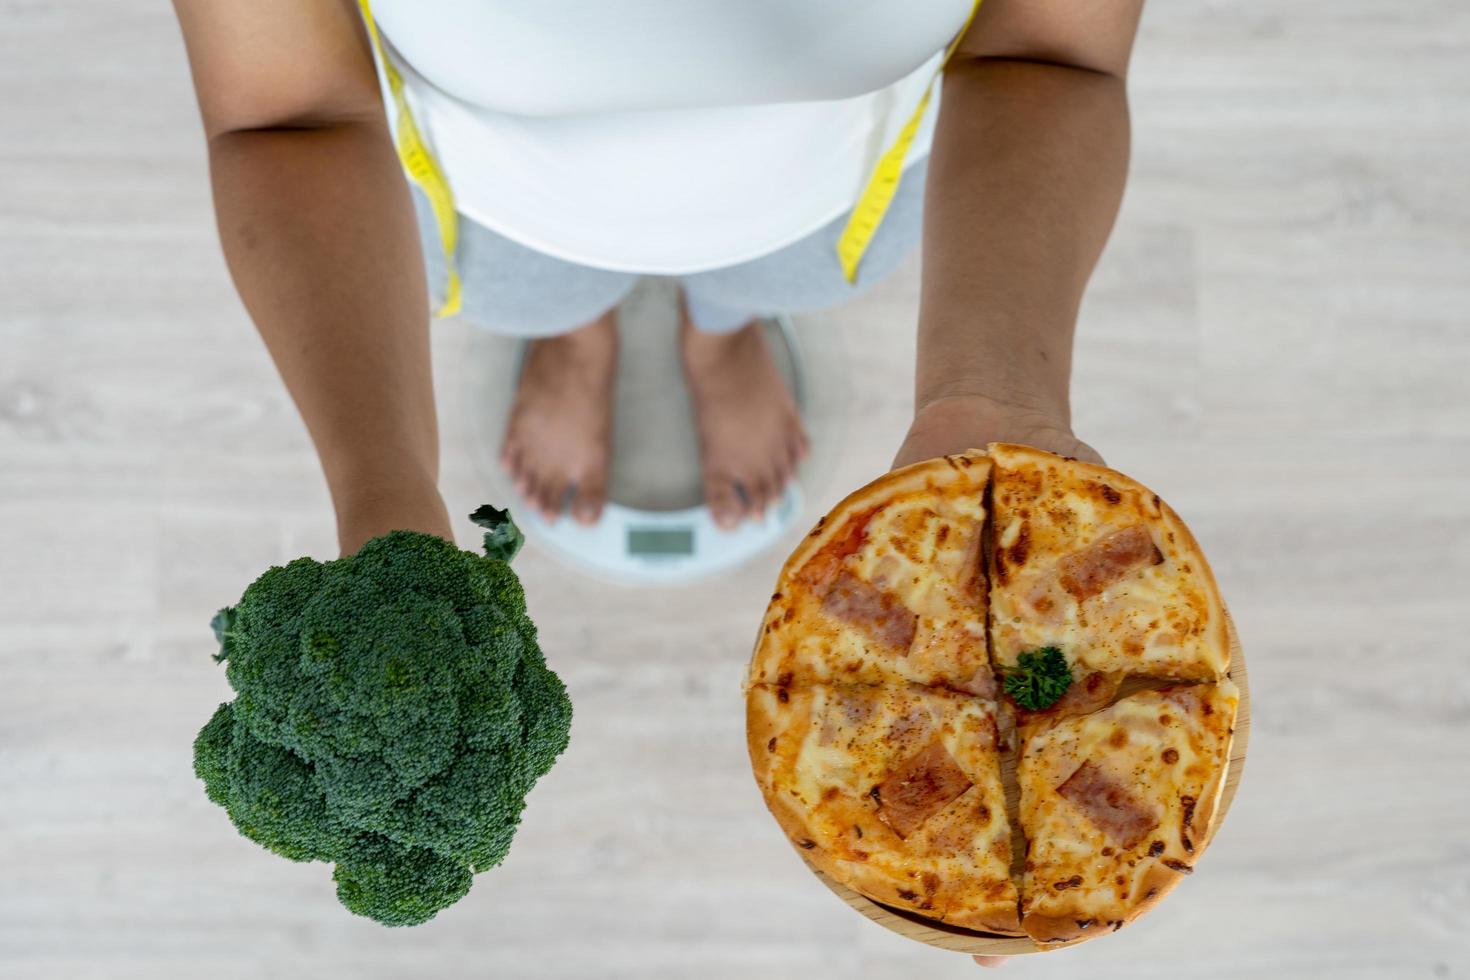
373, 511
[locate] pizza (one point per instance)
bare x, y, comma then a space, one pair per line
888, 588
893, 789
991, 689
1093, 563
1116, 805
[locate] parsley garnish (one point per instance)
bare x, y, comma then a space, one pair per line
1039, 679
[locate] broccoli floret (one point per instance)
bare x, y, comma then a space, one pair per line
392, 711
397, 885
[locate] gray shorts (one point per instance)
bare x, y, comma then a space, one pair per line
515, 290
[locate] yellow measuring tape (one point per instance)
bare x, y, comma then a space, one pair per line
867, 214
872, 204
422, 169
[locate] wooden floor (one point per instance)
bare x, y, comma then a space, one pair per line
1276, 341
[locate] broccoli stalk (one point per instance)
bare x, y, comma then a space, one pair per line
392, 710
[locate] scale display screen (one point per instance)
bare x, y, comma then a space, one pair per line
660, 541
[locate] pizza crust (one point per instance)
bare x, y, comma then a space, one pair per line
1056, 931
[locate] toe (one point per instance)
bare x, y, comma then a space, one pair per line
553, 495
529, 488
587, 504
723, 500
760, 496
779, 479
785, 466
795, 451
510, 459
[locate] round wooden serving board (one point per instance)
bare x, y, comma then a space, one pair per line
934, 933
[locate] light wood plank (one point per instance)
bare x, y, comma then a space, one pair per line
1275, 340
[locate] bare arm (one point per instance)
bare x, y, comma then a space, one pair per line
1027, 171
318, 229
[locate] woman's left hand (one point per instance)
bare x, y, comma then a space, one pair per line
956, 423
366, 514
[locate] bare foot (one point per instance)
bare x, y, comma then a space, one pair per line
557, 443
750, 433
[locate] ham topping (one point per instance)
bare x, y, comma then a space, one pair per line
1105, 801
845, 596
847, 709
1088, 572
910, 728
920, 788
877, 613
1088, 693
970, 576
824, 565
981, 683
1193, 699
855, 707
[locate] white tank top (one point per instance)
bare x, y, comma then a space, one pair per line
664, 136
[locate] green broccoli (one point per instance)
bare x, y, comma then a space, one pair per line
392, 710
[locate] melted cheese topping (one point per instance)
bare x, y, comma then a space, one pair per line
923, 551
1158, 619
1161, 752
834, 745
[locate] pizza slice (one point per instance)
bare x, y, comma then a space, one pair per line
1091, 563
888, 588
1116, 806
894, 791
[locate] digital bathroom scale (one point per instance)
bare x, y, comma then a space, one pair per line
655, 528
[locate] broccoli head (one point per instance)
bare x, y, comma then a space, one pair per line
392, 710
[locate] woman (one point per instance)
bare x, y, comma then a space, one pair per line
722, 143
